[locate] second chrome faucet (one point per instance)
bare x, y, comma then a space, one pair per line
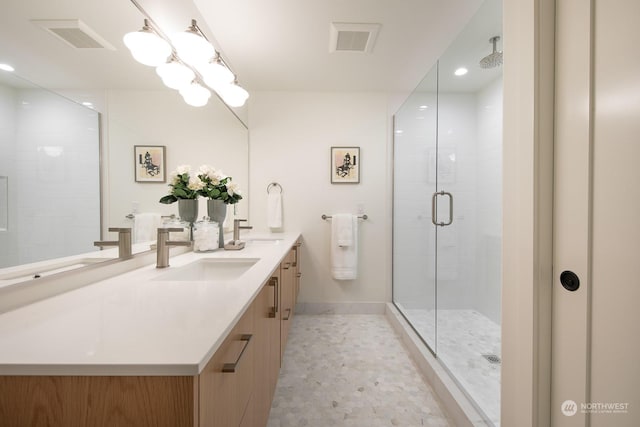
163, 245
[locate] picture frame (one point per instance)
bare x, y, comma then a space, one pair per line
345, 165
150, 163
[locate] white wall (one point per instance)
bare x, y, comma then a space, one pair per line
291, 135
195, 136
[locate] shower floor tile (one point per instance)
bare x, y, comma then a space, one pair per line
464, 336
350, 370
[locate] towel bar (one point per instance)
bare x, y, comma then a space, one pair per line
132, 216
365, 217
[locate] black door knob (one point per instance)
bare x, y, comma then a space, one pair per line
570, 280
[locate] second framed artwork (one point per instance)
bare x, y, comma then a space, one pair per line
345, 165
149, 163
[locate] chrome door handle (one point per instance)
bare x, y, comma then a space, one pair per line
434, 208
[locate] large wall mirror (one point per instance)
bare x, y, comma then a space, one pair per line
74, 129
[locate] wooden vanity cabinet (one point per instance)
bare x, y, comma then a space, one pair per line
286, 301
297, 273
227, 381
267, 360
235, 388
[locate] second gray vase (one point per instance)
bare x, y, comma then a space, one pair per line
217, 211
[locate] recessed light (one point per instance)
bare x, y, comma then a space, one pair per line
6, 67
87, 104
399, 131
423, 107
461, 71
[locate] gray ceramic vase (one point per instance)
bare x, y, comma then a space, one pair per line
217, 211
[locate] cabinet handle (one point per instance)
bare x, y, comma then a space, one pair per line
287, 265
295, 258
288, 310
231, 367
299, 275
274, 310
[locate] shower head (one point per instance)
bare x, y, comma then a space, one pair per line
494, 59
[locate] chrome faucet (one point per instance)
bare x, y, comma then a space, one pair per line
236, 244
163, 244
237, 227
123, 243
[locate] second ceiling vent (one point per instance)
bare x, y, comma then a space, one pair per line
352, 37
74, 32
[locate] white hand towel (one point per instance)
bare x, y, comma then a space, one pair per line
344, 258
145, 226
344, 226
274, 210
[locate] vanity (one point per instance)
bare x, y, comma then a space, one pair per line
197, 344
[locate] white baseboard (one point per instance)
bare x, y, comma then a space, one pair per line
456, 404
340, 308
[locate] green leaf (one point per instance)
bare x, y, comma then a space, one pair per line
167, 200
180, 193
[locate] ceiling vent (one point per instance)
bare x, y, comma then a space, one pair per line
74, 32
352, 37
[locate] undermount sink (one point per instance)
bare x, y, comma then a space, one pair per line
210, 269
263, 241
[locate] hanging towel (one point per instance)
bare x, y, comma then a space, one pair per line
274, 210
145, 226
344, 247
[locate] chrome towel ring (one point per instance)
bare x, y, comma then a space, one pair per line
274, 184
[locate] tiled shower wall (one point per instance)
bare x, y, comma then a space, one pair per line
50, 153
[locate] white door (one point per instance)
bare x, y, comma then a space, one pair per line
596, 327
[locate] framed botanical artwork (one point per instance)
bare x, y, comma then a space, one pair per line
345, 165
149, 161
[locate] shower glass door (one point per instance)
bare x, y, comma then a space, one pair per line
414, 274
447, 209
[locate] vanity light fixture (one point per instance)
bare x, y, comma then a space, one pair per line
192, 47
175, 75
188, 64
234, 95
195, 94
147, 46
215, 74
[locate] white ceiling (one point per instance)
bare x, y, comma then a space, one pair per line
280, 45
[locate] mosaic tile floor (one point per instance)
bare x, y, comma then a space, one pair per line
350, 370
463, 337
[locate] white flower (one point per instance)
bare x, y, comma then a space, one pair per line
232, 188
206, 170
173, 178
195, 184
182, 169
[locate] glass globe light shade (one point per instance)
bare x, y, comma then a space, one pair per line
195, 95
147, 47
234, 95
215, 74
192, 48
175, 75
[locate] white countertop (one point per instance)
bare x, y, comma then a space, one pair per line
133, 325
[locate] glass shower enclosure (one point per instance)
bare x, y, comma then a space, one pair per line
447, 216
